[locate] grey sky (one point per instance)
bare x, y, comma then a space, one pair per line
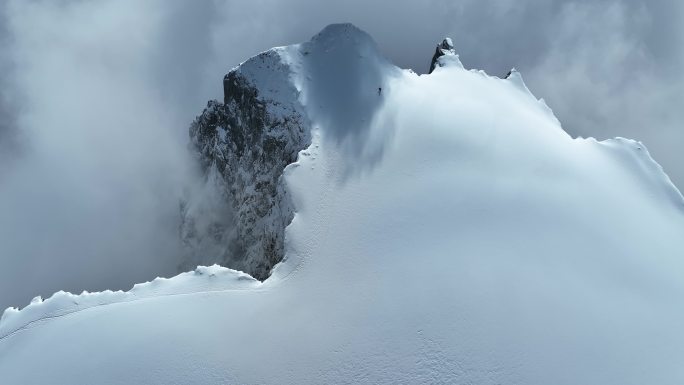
96, 98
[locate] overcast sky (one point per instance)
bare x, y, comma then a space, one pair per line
96, 98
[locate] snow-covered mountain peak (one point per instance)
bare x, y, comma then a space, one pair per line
480, 244
347, 35
445, 55
271, 103
447, 44
343, 78
515, 77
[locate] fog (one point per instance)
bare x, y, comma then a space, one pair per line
96, 98
102, 100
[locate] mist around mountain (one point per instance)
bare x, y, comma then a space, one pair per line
440, 228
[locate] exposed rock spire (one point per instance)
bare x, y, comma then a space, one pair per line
446, 47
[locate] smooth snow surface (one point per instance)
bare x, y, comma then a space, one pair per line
447, 231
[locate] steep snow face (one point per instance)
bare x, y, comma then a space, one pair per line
470, 240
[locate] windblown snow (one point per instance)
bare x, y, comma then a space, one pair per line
446, 230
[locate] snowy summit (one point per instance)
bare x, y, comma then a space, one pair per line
404, 228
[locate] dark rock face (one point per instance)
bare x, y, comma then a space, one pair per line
243, 145
444, 48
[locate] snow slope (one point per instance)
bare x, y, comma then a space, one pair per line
447, 230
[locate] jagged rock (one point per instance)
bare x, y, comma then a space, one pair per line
239, 217
446, 47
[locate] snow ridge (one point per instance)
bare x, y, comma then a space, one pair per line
202, 279
645, 169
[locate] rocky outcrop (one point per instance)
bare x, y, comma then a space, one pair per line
446, 47
238, 217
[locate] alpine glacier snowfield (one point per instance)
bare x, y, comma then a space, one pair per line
447, 230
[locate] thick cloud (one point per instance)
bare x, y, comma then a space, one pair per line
95, 99
103, 94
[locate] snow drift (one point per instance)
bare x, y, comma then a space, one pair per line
447, 230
